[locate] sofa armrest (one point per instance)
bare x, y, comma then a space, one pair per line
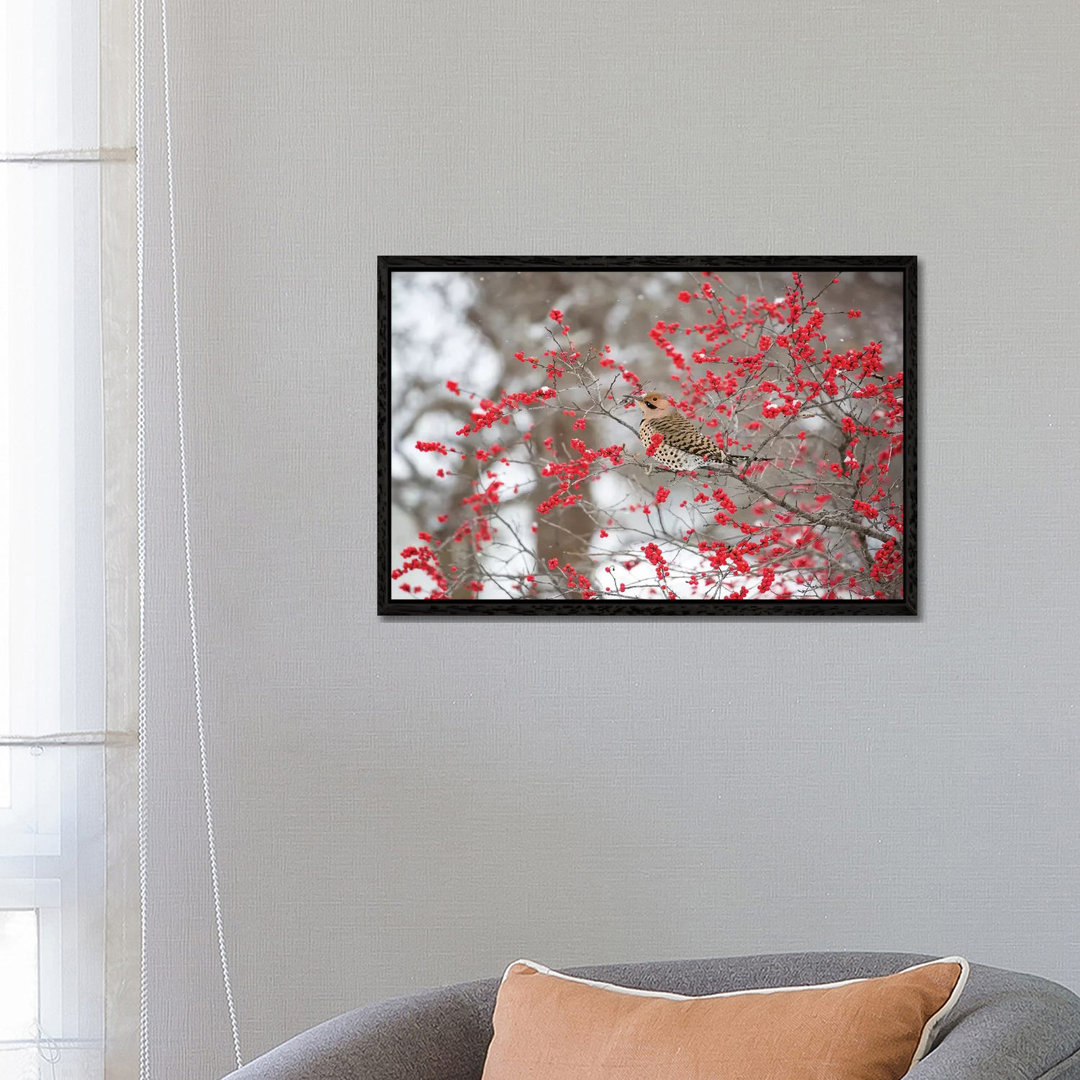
1007, 1026
441, 1034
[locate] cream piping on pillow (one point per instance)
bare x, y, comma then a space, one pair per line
932, 1024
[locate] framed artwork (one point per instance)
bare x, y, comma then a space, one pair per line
647, 436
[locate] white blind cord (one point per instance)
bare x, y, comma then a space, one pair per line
140, 198
140, 214
207, 803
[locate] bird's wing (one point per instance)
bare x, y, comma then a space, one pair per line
681, 433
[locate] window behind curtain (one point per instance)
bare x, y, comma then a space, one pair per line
52, 577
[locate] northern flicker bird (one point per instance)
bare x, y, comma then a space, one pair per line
684, 447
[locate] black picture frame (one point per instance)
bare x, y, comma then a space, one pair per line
905, 605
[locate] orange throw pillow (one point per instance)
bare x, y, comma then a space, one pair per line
550, 1026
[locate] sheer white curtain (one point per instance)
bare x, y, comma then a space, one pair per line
63, 187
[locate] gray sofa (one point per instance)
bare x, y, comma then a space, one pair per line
1006, 1026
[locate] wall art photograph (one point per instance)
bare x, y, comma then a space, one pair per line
647, 436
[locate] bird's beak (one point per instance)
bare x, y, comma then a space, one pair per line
628, 398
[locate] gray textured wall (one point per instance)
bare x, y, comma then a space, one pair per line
409, 803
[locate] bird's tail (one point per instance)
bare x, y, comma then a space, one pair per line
745, 459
